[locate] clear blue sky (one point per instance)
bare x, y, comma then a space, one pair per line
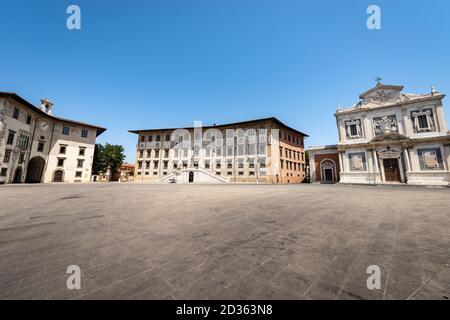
144, 64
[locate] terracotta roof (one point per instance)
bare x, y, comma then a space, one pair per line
273, 119
27, 104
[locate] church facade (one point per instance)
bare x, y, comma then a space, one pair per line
390, 137
36, 146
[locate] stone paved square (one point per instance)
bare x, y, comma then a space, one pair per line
143, 241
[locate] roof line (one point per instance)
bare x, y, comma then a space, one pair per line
18, 98
274, 119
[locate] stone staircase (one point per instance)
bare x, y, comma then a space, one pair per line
201, 175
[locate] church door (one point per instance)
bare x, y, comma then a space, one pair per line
328, 175
391, 170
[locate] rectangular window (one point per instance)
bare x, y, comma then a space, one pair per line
240, 173
196, 164
251, 163
167, 137
21, 157
60, 162
16, 113
147, 164
240, 163
80, 163
141, 154
165, 164
166, 153
28, 119
158, 138
353, 130
140, 165
7, 156
4, 172
423, 121
155, 164
229, 164
150, 138
10, 139
142, 138
156, 153
81, 151
84, 133
78, 174
207, 164
218, 165
149, 153
65, 130
40, 147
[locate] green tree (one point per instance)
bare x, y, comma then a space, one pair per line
107, 157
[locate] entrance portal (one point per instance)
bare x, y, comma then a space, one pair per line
391, 170
35, 170
191, 176
18, 175
328, 171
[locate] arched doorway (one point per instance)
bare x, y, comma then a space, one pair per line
35, 170
17, 175
328, 171
58, 176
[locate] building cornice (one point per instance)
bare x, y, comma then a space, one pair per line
390, 105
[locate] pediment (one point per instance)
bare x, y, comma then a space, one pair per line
389, 136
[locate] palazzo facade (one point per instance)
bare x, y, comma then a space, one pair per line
36, 146
262, 150
390, 137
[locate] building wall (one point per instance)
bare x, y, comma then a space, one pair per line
318, 158
260, 165
47, 131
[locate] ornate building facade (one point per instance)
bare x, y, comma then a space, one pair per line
36, 146
262, 150
392, 137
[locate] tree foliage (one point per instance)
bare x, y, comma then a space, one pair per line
107, 157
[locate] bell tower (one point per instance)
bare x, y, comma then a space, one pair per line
46, 106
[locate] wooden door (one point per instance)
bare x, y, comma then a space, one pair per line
391, 170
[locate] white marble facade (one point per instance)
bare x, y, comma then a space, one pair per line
392, 137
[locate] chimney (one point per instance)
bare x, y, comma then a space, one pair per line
46, 106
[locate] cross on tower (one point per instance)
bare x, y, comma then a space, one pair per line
378, 80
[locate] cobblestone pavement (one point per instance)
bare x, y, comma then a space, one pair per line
143, 241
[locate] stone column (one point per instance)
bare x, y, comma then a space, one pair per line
375, 160
408, 164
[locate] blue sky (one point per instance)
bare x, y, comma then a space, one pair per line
144, 64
